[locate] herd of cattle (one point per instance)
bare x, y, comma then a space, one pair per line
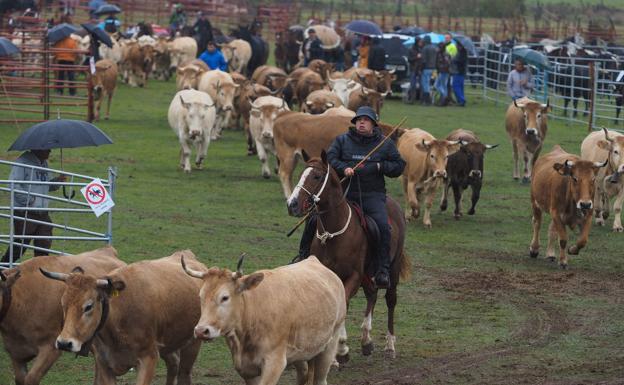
96, 303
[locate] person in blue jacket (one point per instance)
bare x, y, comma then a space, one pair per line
213, 57
368, 187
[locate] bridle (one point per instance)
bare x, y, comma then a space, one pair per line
315, 198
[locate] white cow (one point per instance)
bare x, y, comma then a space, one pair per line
221, 88
192, 116
343, 88
264, 110
181, 50
237, 53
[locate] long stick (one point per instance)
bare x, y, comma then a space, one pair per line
377, 147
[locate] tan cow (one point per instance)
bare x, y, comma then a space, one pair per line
563, 185
182, 50
162, 60
294, 314
308, 82
104, 83
384, 80
221, 88
237, 53
366, 97
188, 74
426, 159
34, 316
152, 309
138, 61
297, 131
320, 101
364, 76
272, 77
249, 91
264, 110
597, 147
526, 123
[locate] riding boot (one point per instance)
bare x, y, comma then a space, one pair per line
306, 239
382, 277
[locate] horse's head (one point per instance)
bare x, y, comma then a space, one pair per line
315, 184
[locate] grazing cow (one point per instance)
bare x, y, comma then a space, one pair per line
320, 101
526, 123
162, 60
188, 74
563, 185
366, 97
263, 112
305, 326
343, 87
425, 171
191, 116
249, 91
138, 62
237, 53
308, 82
182, 50
596, 147
221, 88
104, 83
134, 315
34, 317
364, 76
464, 168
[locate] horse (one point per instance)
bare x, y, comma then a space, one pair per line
259, 47
346, 251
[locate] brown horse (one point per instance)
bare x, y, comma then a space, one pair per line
341, 243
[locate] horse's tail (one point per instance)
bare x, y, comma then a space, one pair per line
405, 266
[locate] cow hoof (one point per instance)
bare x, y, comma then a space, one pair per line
343, 359
563, 266
573, 250
551, 259
516, 177
533, 254
106, 118
605, 215
199, 166
618, 229
367, 349
600, 222
265, 175
427, 225
526, 180
187, 171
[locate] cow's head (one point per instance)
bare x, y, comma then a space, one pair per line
615, 146
85, 306
225, 92
534, 114
384, 80
148, 53
316, 104
266, 113
175, 55
188, 76
438, 152
474, 153
372, 98
97, 81
222, 299
582, 176
368, 79
194, 117
277, 81
342, 88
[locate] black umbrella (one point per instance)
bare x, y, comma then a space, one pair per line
60, 32
60, 133
411, 31
98, 34
466, 42
106, 9
364, 27
532, 57
7, 48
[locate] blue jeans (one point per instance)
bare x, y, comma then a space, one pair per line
441, 84
425, 81
458, 88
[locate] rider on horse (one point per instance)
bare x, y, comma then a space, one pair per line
368, 188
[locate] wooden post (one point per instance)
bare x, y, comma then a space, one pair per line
592, 95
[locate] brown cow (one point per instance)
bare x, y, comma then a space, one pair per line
526, 123
162, 60
366, 97
321, 67
138, 61
272, 77
35, 316
308, 82
104, 83
293, 314
188, 74
320, 101
563, 185
135, 314
384, 80
426, 159
601, 145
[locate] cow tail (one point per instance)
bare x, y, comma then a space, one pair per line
405, 267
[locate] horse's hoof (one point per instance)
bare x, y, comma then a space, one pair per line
533, 253
551, 259
471, 212
343, 359
457, 216
526, 180
563, 266
367, 349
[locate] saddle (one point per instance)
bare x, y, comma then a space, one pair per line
373, 236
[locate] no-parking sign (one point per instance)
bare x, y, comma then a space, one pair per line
97, 197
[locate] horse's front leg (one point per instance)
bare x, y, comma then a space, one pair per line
367, 323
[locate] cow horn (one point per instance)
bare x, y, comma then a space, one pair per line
568, 163
277, 91
182, 100
53, 275
308, 103
392, 71
239, 266
191, 272
253, 104
329, 105
103, 283
606, 132
385, 94
515, 104
491, 146
601, 164
545, 106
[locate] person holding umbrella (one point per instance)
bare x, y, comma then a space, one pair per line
429, 54
22, 228
520, 81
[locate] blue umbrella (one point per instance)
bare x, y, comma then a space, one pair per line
60, 133
7, 48
466, 42
60, 32
106, 9
364, 27
435, 37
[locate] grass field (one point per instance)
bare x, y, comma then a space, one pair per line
477, 309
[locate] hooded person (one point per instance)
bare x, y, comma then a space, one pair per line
367, 186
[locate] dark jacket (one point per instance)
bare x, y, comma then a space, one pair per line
443, 61
377, 58
204, 29
312, 49
349, 148
459, 62
415, 58
429, 54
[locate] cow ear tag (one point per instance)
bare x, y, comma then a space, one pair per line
115, 293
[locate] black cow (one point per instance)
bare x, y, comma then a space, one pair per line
464, 168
